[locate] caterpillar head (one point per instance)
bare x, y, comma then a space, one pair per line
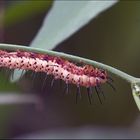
103, 76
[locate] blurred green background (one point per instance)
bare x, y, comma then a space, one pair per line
111, 38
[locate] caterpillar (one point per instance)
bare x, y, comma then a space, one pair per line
86, 75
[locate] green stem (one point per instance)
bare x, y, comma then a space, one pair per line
115, 71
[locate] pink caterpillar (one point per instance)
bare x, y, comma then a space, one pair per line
86, 76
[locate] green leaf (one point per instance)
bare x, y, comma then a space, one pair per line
65, 18
136, 93
5, 85
18, 11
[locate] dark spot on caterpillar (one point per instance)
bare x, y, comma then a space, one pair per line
46, 58
32, 55
102, 77
102, 71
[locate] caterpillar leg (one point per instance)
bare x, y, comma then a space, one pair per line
78, 93
66, 89
89, 95
44, 81
34, 74
11, 72
98, 92
52, 82
111, 85
110, 79
60, 83
22, 73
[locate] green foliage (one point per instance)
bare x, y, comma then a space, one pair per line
5, 84
19, 11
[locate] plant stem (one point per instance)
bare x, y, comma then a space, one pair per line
112, 70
